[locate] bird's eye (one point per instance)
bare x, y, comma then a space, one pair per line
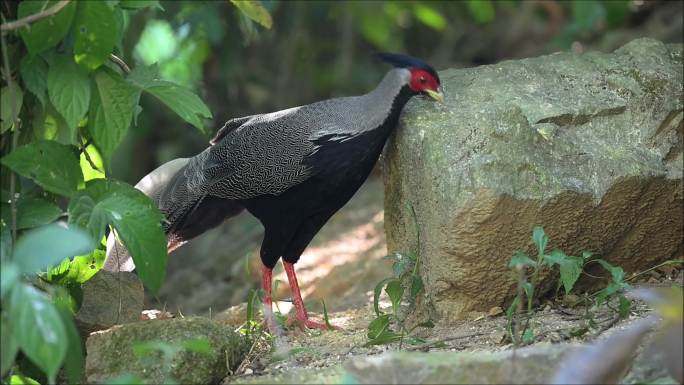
423, 80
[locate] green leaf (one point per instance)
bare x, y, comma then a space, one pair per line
22, 380
570, 271
52, 165
38, 329
135, 218
78, 270
385, 337
395, 291
255, 11
111, 111
47, 32
143, 76
68, 89
586, 255
540, 239
624, 307
90, 173
616, 272
182, 101
416, 285
8, 346
93, 28
9, 274
48, 245
481, 10
376, 294
34, 212
429, 16
11, 94
74, 359
521, 259
528, 336
326, 319
557, 257
34, 72
137, 4
378, 326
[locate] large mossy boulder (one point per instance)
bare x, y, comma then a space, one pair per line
112, 353
589, 146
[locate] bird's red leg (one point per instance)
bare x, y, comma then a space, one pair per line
301, 316
269, 317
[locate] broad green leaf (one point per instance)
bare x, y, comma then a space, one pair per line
49, 124
90, 173
395, 291
135, 218
181, 100
616, 272
385, 337
137, 4
521, 259
77, 270
429, 16
93, 28
47, 32
111, 111
376, 294
52, 165
416, 285
143, 76
255, 11
481, 10
540, 239
9, 275
570, 271
38, 329
8, 345
74, 360
22, 380
34, 72
378, 326
34, 212
557, 257
48, 245
10, 105
68, 89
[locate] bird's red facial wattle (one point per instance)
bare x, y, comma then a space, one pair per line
424, 82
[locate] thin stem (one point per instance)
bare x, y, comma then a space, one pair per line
12, 25
122, 64
15, 137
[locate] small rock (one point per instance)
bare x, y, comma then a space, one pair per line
496, 310
497, 336
109, 299
155, 314
248, 371
110, 352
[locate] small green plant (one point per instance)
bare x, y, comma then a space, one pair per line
570, 268
405, 275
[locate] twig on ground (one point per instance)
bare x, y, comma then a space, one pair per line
26, 21
428, 345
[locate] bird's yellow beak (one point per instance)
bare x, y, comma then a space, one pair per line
436, 95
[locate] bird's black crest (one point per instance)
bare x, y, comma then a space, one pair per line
406, 61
